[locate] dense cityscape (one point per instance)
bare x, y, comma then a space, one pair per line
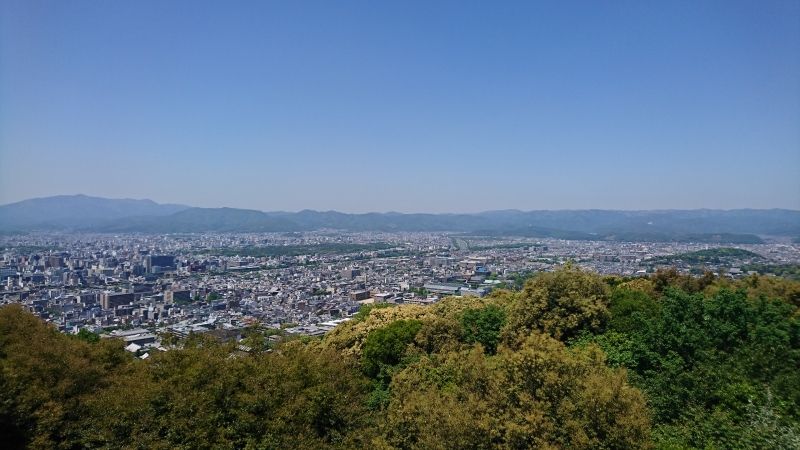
143, 287
410, 225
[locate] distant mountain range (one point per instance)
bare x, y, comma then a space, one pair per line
76, 212
84, 213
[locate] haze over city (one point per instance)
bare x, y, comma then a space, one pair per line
400, 225
411, 107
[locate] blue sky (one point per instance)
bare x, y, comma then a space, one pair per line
406, 106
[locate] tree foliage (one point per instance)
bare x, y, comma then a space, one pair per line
541, 395
88, 336
60, 392
560, 304
572, 360
719, 370
483, 326
386, 346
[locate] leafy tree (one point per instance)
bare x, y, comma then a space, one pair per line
364, 310
538, 396
386, 346
255, 337
711, 364
483, 326
571, 361
628, 307
561, 304
349, 337
61, 392
87, 336
45, 376
439, 334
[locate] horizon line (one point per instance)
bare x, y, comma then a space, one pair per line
400, 212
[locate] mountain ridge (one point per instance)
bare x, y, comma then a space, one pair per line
98, 214
76, 211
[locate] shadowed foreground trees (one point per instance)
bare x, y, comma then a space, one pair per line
61, 392
571, 361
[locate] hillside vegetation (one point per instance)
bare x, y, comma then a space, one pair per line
709, 256
572, 360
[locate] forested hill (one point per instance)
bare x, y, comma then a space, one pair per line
572, 360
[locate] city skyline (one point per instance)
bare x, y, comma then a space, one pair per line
400, 225
418, 107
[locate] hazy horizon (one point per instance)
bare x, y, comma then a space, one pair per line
399, 212
443, 107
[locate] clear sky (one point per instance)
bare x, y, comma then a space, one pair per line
399, 105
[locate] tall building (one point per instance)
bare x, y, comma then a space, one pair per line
349, 274
159, 263
112, 300
171, 296
359, 295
